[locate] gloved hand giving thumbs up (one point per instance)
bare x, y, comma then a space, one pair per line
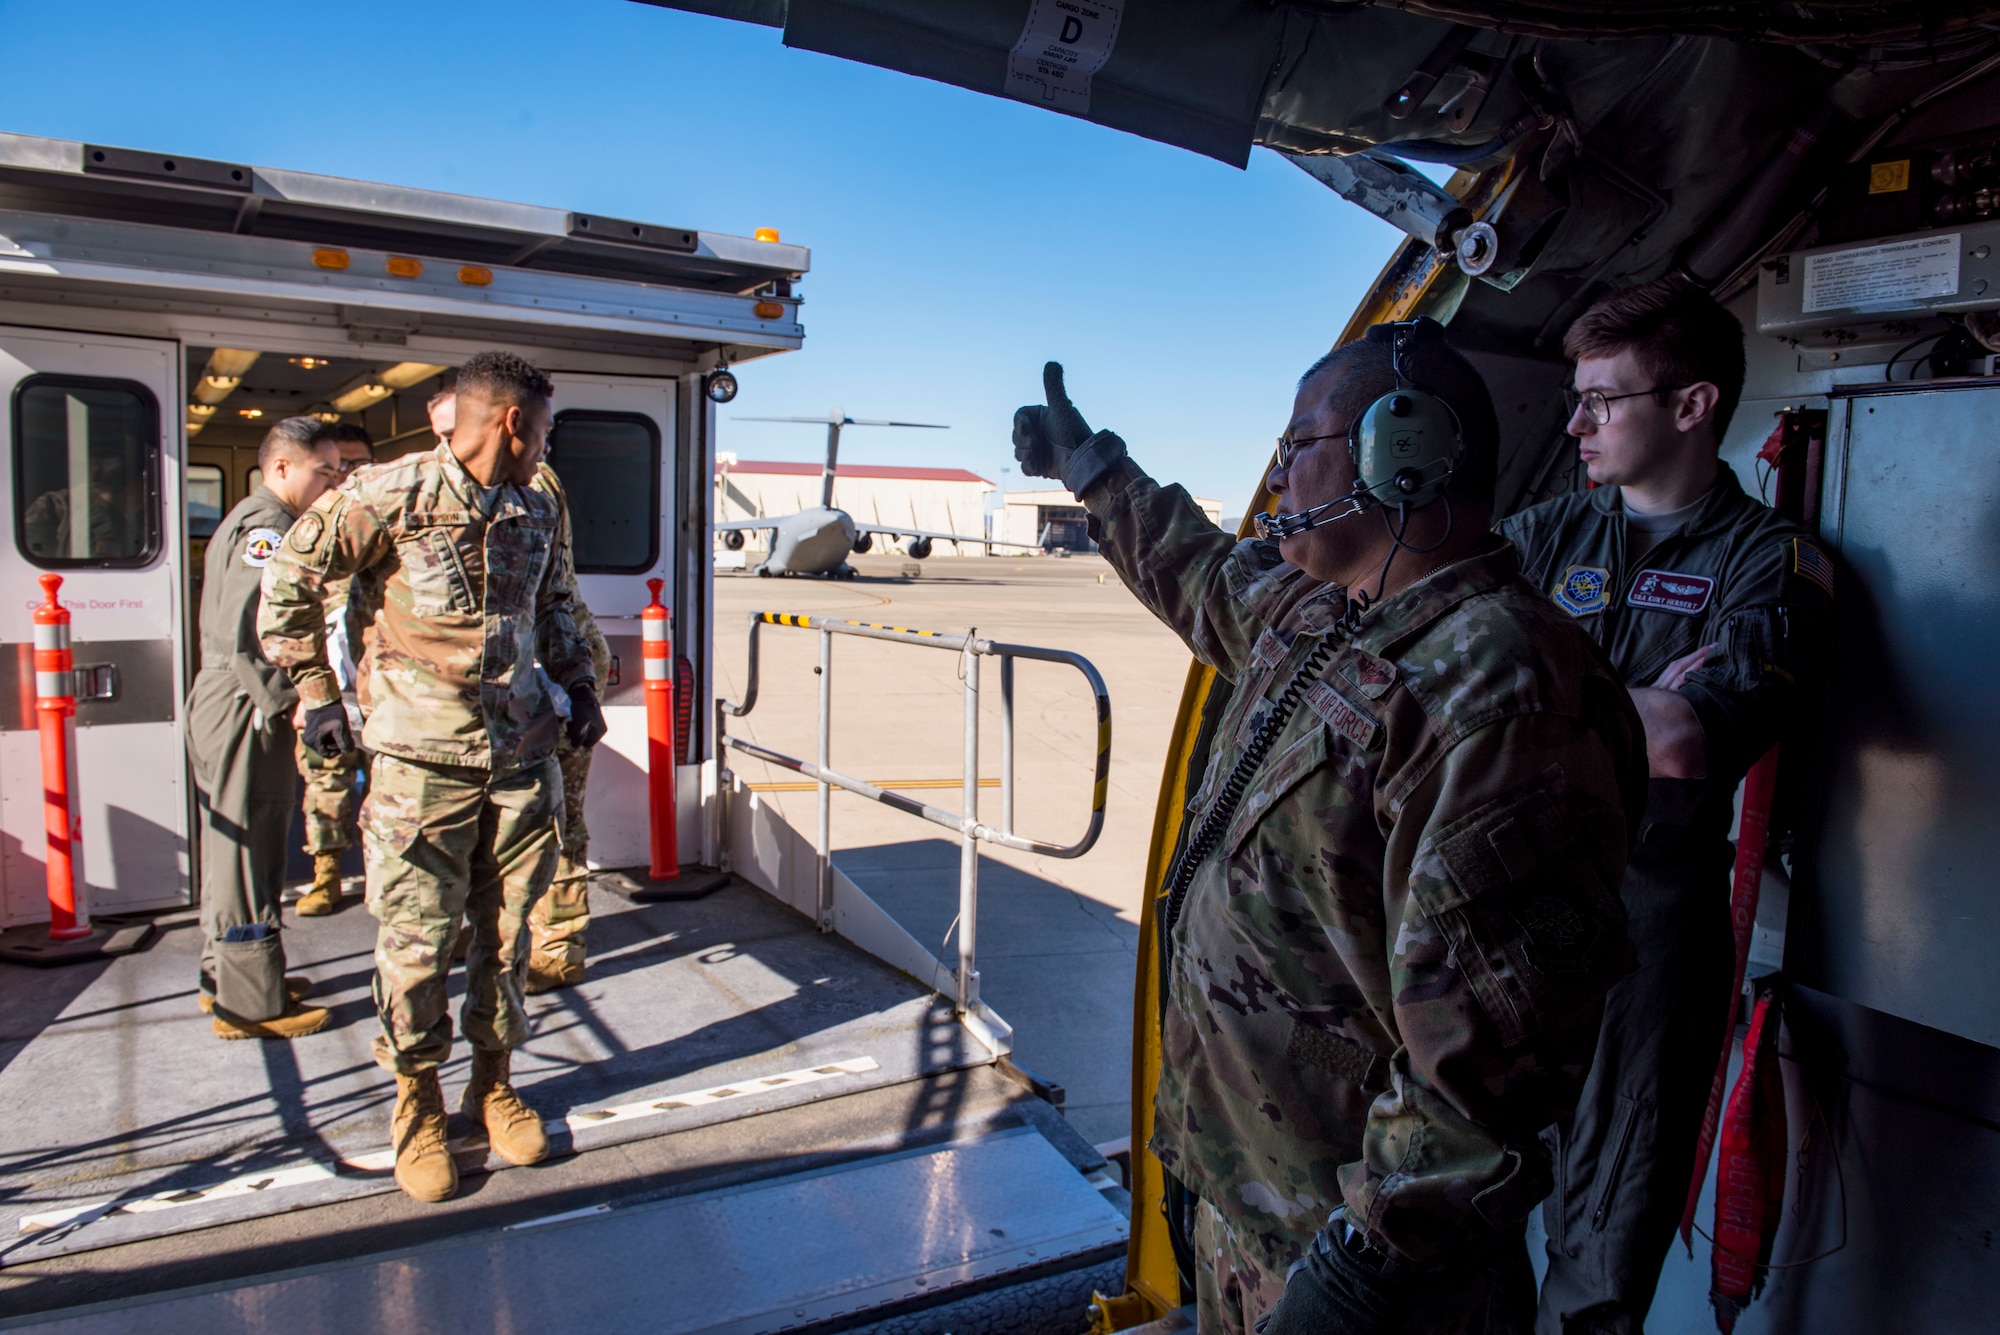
1054, 441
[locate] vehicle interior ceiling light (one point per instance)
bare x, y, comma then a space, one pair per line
201, 411
361, 396
405, 374
224, 372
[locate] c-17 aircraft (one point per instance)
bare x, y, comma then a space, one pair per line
817, 539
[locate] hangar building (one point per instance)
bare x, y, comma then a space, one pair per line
1055, 516
938, 500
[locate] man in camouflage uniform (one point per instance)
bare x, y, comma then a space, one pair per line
1385, 974
1713, 608
330, 784
556, 928
464, 560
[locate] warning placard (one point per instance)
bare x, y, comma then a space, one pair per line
1883, 277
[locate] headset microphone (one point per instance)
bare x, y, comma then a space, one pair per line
1276, 528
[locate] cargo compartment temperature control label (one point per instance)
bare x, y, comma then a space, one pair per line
1886, 276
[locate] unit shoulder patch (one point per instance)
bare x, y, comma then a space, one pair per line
260, 545
305, 534
1342, 715
1584, 590
1671, 591
1809, 562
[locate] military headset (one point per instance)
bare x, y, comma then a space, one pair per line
1405, 446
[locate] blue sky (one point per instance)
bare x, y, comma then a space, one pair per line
958, 239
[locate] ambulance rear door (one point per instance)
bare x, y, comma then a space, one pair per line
614, 446
92, 491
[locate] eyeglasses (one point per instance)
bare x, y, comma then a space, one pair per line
349, 465
1288, 448
1596, 404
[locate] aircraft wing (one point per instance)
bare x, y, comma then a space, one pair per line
743, 525
894, 531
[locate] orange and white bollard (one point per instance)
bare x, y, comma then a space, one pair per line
55, 707
658, 650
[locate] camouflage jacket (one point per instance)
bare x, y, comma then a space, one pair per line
586, 624
1387, 978
465, 603
1737, 575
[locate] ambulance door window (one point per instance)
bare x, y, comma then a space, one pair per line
86, 472
609, 464
207, 490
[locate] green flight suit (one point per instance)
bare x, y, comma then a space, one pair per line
1387, 977
1738, 575
239, 743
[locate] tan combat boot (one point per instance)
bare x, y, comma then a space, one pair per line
424, 1167
552, 971
296, 989
512, 1128
295, 1021
324, 897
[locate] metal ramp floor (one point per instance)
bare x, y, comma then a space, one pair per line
794, 1252
127, 1119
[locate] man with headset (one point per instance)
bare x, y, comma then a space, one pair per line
1393, 917
1711, 607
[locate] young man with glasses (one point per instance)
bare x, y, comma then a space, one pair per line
1711, 606
1391, 930
331, 784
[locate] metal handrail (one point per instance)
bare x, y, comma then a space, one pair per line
972, 831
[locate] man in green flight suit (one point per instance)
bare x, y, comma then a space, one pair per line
462, 557
1713, 608
239, 740
1391, 927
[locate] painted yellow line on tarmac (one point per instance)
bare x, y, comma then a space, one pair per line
809, 786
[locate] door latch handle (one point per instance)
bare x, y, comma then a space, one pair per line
95, 682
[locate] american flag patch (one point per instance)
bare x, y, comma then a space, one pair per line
1812, 563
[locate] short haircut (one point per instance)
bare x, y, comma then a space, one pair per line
504, 378
1677, 333
345, 433
292, 438
1430, 364
447, 386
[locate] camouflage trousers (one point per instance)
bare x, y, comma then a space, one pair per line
441, 843
329, 801
1240, 1268
561, 916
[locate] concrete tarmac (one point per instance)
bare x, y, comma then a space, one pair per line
1057, 938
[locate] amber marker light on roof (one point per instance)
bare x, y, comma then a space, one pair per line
474, 275
769, 234
769, 310
330, 259
402, 266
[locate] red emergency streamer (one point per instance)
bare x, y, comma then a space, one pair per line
1751, 834
1750, 1170
658, 653
55, 707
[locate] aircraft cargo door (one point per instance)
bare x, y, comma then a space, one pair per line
614, 447
92, 491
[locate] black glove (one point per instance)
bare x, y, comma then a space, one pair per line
1334, 1291
1055, 442
326, 731
586, 717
